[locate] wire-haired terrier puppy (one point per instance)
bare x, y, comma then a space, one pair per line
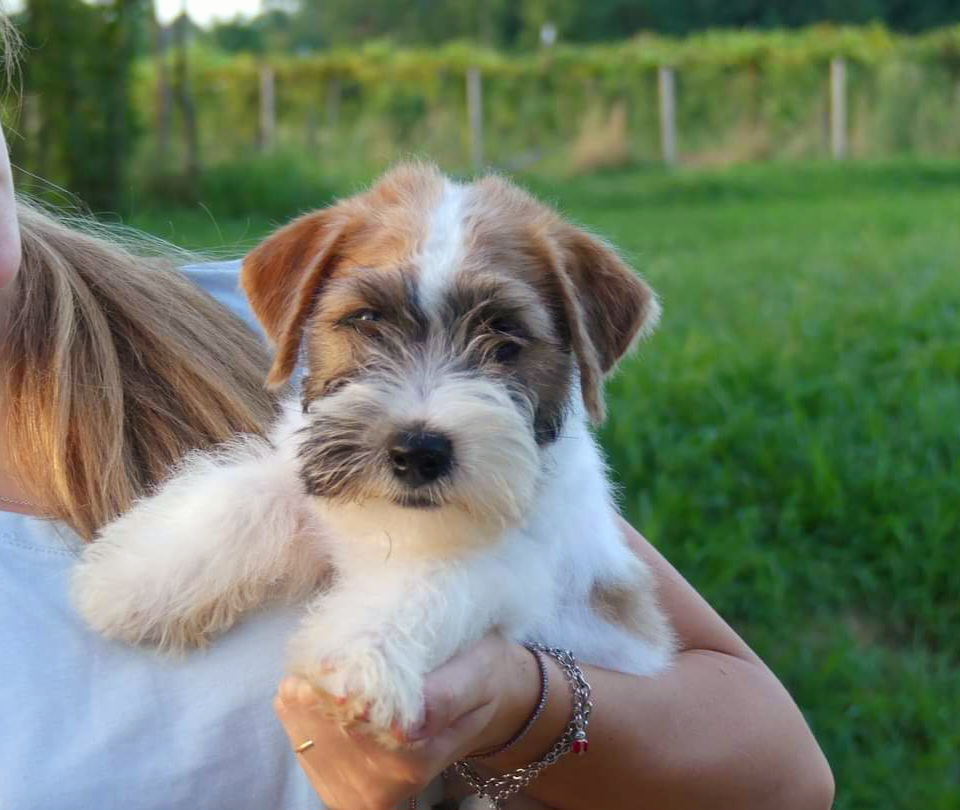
437, 479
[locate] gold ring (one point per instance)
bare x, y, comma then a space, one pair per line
304, 746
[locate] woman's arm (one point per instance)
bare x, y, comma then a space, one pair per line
715, 731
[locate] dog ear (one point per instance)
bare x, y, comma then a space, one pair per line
608, 307
282, 277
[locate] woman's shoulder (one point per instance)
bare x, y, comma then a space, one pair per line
221, 279
196, 731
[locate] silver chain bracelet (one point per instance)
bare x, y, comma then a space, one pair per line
497, 789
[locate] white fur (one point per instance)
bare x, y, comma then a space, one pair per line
498, 463
444, 245
225, 534
522, 539
410, 588
231, 531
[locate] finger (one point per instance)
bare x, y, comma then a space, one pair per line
296, 691
304, 717
289, 690
300, 732
464, 682
302, 723
347, 767
298, 735
327, 762
460, 687
344, 710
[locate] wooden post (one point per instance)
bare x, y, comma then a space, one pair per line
27, 150
475, 114
667, 86
164, 97
184, 98
333, 103
838, 108
312, 130
268, 108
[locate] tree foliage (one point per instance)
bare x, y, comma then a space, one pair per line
316, 24
78, 80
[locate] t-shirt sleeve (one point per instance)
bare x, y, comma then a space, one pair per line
222, 281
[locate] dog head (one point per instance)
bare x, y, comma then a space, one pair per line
445, 326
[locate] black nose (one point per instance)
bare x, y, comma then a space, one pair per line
419, 458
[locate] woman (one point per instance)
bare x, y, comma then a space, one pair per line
111, 368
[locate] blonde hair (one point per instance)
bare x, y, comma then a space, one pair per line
9, 47
115, 366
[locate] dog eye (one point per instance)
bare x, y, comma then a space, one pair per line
364, 321
507, 352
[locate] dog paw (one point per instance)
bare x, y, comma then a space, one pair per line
362, 683
107, 593
123, 595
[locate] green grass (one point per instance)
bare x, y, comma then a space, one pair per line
790, 438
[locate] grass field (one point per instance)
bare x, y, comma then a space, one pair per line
791, 436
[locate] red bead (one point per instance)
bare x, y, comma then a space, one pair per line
580, 746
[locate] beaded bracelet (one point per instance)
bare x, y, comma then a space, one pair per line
534, 715
498, 789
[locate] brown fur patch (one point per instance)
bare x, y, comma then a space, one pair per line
279, 277
596, 303
390, 218
632, 605
620, 604
336, 350
378, 229
599, 303
617, 305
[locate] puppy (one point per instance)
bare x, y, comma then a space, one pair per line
437, 478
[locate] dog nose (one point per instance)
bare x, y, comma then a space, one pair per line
420, 458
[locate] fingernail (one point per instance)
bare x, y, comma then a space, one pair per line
305, 694
288, 689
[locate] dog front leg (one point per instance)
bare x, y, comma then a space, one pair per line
227, 533
370, 643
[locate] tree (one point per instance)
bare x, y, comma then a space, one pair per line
509, 22
237, 35
78, 72
418, 22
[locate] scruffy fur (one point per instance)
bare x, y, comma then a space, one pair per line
470, 311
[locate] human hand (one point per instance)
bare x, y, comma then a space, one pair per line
474, 702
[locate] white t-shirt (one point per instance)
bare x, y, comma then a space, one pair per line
87, 724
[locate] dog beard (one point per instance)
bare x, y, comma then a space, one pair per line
494, 464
